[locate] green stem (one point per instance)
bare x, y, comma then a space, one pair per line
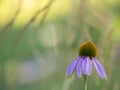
85, 82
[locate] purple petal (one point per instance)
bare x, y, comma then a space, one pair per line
86, 66
99, 68
79, 68
72, 66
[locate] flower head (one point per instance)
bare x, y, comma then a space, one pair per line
82, 65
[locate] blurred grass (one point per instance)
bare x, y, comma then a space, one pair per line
48, 34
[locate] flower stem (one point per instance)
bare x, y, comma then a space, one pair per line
85, 82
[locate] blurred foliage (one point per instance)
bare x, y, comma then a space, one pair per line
39, 38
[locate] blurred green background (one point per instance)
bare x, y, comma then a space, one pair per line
40, 38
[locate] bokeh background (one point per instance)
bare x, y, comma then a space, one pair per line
40, 38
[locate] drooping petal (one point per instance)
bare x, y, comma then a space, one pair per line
99, 68
72, 66
86, 66
79, 68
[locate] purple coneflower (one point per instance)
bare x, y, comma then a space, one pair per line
82, 65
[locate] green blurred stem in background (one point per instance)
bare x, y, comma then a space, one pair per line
85, 82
